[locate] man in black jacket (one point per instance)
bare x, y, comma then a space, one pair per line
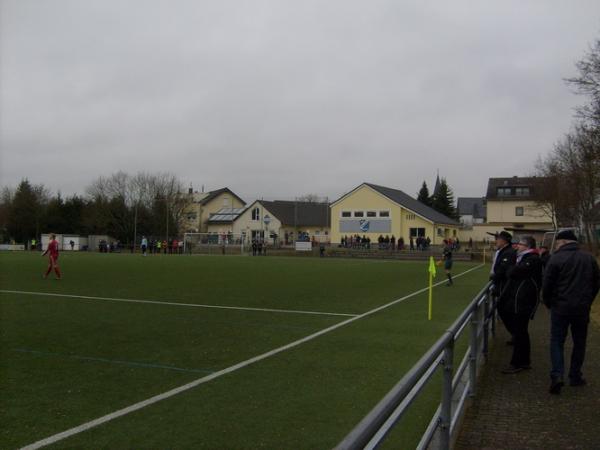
571, 282
504, 258
519, 300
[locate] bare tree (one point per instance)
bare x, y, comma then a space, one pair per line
124, 202
588, 83
573, 171
310, 198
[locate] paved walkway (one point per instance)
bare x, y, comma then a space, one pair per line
517, 412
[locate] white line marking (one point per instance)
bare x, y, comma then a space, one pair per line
193, 305
157, 398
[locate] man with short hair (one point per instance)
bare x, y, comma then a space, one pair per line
571, 282
504, 258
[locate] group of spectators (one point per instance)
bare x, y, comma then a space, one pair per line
419, 243
566, 281
259, 247
156, 246
105, 246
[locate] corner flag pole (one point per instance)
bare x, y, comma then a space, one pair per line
432, 273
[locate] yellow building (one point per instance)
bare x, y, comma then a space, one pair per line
283, 222
372, 210
204, 204
510, 204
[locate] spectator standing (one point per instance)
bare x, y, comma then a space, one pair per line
544, 255
144, 245
504, 258
520, 299
571, 282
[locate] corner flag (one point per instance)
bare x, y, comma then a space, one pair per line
432, 274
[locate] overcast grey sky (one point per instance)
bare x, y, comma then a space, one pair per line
282, 98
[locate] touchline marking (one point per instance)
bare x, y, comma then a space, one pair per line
157, 398
192, 305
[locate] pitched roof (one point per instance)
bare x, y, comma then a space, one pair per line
299, 213
472, 206
413, 204
512, 183
226, 215
213, 194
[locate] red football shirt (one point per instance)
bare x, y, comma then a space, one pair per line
53, 249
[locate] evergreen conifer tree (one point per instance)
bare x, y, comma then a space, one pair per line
423, 195
443, 201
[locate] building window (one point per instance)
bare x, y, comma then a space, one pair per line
256, 214
371, 214
519, 210
417, 232
522, 191
359, 214
411, 217
503, 192
384, 214
440, 232
346, 214
225, 201
191, 216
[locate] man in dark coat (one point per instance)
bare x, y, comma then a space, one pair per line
571, 282
504, 258
519, 300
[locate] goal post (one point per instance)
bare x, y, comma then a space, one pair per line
214, 243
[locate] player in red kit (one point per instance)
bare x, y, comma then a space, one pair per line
52, 252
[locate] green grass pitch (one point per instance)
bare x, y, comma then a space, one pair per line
65, 361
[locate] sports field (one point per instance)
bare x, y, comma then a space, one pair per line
280, 352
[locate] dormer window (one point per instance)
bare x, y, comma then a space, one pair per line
522, 191
504, 192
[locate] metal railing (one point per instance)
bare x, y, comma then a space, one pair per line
480, 318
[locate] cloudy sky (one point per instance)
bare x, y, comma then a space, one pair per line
278, 98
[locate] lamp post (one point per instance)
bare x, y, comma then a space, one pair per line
267, 221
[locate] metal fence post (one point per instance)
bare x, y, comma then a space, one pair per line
493, 312
474, 356
446, 407
486, 325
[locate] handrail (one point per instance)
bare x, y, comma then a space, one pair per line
375, 426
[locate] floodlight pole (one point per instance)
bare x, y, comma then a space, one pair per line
135, 227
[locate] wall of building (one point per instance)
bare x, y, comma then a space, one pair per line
365, 199
201, 212
504, 211
398, 224
246, 225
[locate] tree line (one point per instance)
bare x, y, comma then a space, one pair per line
120, 206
